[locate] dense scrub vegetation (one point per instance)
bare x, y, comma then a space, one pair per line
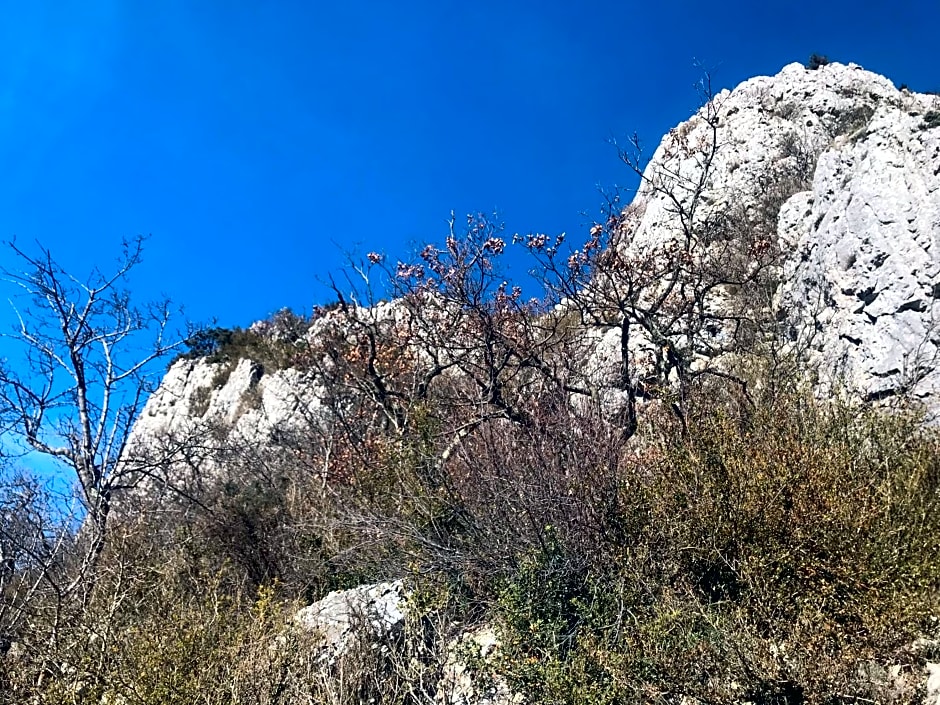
779, 554
275, 343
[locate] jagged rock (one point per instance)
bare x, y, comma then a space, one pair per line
237, 394
848, 169
241, 399
853, 168
865, 274
345, 617
770, 129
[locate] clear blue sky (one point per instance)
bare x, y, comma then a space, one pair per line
255, 139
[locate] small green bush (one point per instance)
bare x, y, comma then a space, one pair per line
208, 342
815, 61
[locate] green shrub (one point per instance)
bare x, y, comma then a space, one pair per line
815, 61
776, 552
170, 625
207, 342
275, 343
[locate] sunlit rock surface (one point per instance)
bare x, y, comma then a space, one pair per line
853, 164
344, 618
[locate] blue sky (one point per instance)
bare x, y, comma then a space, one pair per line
256, 140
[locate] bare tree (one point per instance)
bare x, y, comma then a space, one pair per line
683, 299
455, 348
409, 383
79, 370
35, 537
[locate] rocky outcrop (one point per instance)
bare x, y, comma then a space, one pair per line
238, 395
374, 616
864, 274
770, 133
344, 617
844, 170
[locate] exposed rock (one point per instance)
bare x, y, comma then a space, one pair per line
241, 400
932, 688
853, 169
374, 615
770, 131
344, 617
246, 399
461, 685
865, 273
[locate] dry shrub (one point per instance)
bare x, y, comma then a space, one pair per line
770, 555
165, 628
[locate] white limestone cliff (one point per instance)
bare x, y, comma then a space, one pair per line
237, 394
865, 265
852, 164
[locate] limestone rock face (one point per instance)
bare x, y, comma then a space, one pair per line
239, 395
846, 169
865, 262
768, 129
243, 400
